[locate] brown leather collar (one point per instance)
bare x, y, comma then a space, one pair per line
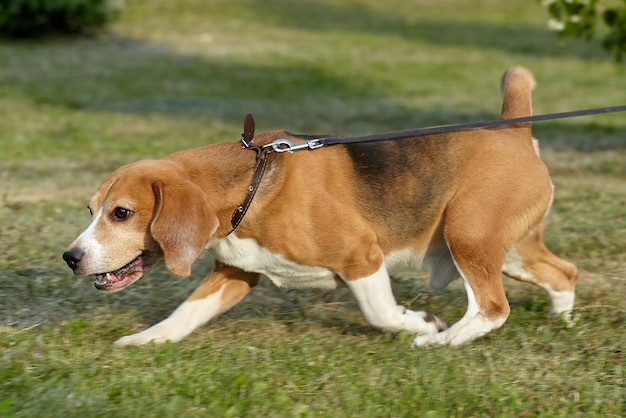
262, 154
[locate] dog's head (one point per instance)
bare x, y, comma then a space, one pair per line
141, 213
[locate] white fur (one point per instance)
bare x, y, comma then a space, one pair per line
404, 258
93, 260
187, 317
87, 238
248, 255
473, 324
373, 292
561, 301
514, 267
381, 310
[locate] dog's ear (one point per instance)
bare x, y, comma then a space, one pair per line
248, 129
182, 224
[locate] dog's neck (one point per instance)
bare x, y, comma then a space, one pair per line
223, 170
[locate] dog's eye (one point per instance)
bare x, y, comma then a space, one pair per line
120, 214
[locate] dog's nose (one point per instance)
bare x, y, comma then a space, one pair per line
73, 257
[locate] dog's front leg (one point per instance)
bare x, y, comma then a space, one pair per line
381, 310
219, 291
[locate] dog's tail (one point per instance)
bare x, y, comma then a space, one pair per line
517, 86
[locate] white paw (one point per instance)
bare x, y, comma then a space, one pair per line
423, 322
157, 335
570, 321
429, 339
562, 301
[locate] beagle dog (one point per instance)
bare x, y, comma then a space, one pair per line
467, 204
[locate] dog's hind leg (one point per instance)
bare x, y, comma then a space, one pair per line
530, 261
477, 255
380, 309
219, 291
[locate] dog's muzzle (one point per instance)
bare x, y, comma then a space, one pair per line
73, 257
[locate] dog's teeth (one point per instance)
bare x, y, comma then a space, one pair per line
108, 277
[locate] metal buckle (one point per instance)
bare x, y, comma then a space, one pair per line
285, 145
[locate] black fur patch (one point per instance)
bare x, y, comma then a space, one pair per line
402, 181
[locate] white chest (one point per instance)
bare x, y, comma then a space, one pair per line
248, 255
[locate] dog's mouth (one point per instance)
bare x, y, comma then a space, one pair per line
123, 277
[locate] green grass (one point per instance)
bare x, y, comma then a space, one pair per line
178, 74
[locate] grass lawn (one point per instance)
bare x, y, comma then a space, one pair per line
178, 74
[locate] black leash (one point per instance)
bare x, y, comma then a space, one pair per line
501, 123
286, 145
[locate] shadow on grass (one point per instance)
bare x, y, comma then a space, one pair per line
130, 76
524, 39
127, 75
43, 296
